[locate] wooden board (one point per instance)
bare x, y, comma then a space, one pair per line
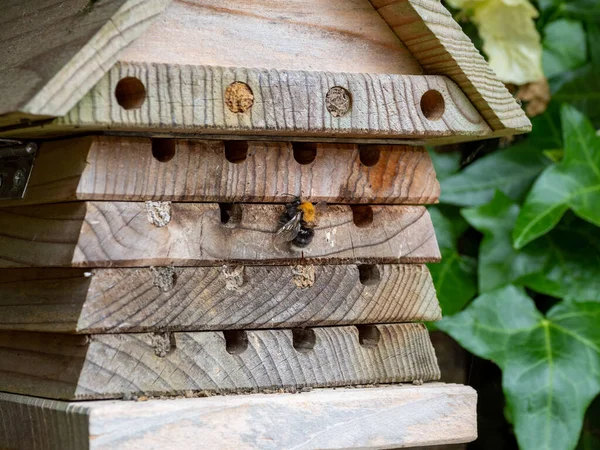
191, 99
102, 234
75, 367
366, 418
213, 298
118, 168
346, 36
442, 48
53, 51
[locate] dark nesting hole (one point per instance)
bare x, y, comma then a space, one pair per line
130, 93
369, 154
304, 152
433, 105
362, 215
368, 274
236, 151
304, 339
163, 150
368, 335
236, 341
231, 214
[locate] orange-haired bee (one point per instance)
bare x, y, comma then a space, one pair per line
296, 224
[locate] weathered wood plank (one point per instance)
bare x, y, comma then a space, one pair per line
53, 51
129, 234
442, 48
115, 365
346, 36
213, 298
191, 99
118, 168
368, 418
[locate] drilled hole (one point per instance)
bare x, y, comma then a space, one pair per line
368, 335
236, 341
304, 339
163, 150
236, 151
433, 105
369, 154
368, 274
362, 215
231, 214
130, 93
304, 152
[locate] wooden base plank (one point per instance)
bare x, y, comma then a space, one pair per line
76, 367
214, 298
128, 234
366, 418
192, 100
133, 169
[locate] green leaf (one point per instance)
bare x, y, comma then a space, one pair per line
454, 277
511, 170
564, 47
445, 164
573, 183
550, 365
564, 263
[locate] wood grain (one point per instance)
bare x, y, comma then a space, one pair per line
369, 418
201, 298
346, 36
103, 234
75, 367
190, 99
442, 48
53, 51
118, 168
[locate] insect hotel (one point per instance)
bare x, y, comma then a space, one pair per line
212, 221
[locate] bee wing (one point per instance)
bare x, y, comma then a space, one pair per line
289, 230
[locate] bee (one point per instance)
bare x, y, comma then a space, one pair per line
296, 224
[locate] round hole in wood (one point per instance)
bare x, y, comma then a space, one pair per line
236, 341
433, 105
304, 152
368, 335
163, 150
236, 152
304, 339
368, 274
362, 215
239, 97
231, 214
369, 154
130, 93
338, 101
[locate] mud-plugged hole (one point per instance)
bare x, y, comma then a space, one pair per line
163, 343
130, 93
369, 154
433, 105
304, 152
368, 274
236, 341
362, 215
368, 335
163, 150
304, 339
236, 152
231, 214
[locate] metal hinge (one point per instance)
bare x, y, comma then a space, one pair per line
16, 163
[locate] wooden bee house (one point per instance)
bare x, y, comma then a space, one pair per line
148, 151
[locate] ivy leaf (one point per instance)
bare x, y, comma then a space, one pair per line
564, 47
445, 163
511, 170
573, 183
550, 365
454, 277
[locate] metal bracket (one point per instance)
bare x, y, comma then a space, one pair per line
16, 163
